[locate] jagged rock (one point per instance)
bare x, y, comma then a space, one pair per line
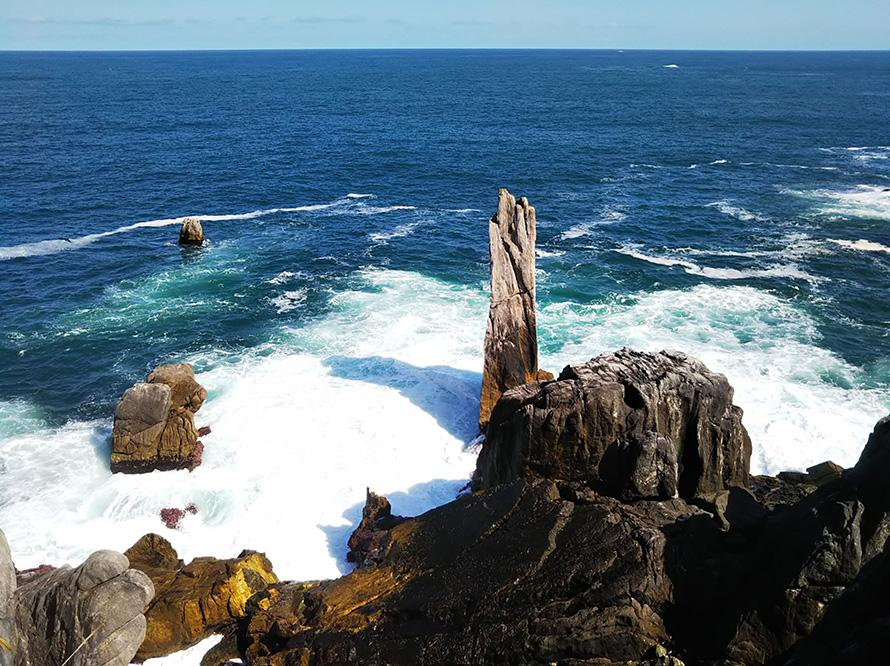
645, 467
517, 574
772, 492
805, 558
192, 233
575, 427
194, 601
370, 540
154, 424
87, 616
511, 339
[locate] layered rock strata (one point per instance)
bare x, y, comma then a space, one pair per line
154, 424
631, 424
197, 600
511, 339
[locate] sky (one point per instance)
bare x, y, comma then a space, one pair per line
356, 24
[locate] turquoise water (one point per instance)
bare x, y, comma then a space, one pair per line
732, 205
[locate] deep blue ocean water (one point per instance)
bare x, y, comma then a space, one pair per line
733, 205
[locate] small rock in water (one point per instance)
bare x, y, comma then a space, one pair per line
192, 233
172, 517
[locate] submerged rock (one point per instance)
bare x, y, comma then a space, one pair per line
196, 600
87, 616
629, 423
511, 339
154, 424
192, 233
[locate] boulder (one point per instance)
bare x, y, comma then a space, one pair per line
194, 601
154, 424
192, 233
511, 339
87, 616
629, 413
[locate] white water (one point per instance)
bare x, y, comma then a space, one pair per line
383, 392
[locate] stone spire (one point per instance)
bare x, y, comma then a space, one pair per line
511, 340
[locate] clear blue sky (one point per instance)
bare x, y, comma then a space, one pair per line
630, 24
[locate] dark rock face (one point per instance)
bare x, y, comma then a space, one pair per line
87, 616
511, 339
530, 572
369, 542
663, 422
196, 600
192, 233
154, 424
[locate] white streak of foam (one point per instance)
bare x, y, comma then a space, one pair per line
861, 244
863, 201
737, 212
791, 271
382, 237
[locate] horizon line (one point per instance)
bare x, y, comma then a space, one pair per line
452, 48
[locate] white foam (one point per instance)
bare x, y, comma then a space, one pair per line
384, 392
546, 254
361, 196
861, 244
576, 231
727, 208
364, 209
382, 237
862, 201
282, 277
791, 271
715, 162
671, 66
290, 300
190, 657
864, 153
802, 404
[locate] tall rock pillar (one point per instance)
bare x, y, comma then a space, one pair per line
511, 340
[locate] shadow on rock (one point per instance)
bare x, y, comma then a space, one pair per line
449, 395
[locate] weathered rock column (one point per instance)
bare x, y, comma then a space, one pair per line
511, 340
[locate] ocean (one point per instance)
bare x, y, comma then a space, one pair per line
735, 206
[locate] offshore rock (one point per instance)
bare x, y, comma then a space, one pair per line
194, 601
192, 233
87, 616
525, 573
154, 424
511, 339
631, 424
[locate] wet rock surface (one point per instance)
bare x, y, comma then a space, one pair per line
154, 424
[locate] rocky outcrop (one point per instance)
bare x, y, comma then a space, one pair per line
532, 572
196, 600
369, 542
511, 339
154, 424
630, 424
87, 616
192, 233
